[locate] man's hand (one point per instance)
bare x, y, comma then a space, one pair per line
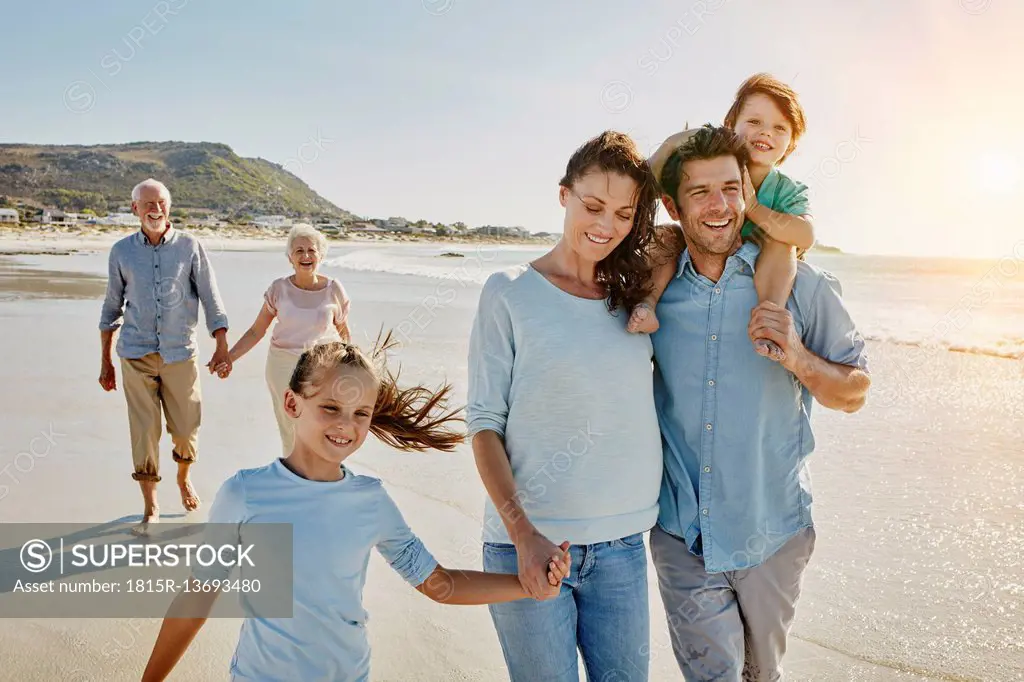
108, 376
535, 552
220, 362
774, 323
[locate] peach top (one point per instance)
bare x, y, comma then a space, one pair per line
305, 318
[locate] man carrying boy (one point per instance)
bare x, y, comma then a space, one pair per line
735, 530
158, 276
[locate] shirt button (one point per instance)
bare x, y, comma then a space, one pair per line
717, 290
704, 512
714, 337
711, 382
707, 470
708, 427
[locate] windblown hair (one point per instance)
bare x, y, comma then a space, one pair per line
625, 272
413, 418
709, 142
785, 99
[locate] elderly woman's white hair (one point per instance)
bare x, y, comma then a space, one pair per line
150, 182
311, 233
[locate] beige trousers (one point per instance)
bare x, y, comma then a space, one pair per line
280, 365
149, 385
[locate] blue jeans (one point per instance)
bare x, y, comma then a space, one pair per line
602, 610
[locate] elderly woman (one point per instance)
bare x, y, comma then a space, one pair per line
309, 307
565, 435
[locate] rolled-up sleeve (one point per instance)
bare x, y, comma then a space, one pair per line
829, 329
112, 314
396, 542
206, 288
491, 356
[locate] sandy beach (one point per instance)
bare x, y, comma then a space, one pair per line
916, 573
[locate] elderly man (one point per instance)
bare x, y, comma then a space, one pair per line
734, 531
157, 278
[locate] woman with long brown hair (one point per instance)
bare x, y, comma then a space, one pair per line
565, 435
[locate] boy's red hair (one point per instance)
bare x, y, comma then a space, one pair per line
785, 99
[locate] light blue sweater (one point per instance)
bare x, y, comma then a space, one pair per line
571, 393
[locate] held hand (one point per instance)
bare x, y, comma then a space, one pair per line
220, 362
774, 323
534, 552
558, 567
108, 376
749, 193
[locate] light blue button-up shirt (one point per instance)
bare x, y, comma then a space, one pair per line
153, 295
736, 426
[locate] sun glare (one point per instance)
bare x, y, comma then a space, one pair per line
997, 173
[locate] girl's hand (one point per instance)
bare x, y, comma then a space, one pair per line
558, 567
749, 193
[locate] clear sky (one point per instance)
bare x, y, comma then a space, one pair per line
468, 110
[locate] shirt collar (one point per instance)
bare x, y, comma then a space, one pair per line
169, 235
747, 253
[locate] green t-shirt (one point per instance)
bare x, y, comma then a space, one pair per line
783, 194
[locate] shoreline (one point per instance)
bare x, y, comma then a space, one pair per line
21, 242
52, 241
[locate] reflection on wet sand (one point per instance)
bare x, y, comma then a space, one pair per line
18, 282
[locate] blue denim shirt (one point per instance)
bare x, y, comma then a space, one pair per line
735, 426
153, 295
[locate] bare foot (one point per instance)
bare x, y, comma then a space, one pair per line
189, 499
643, 320
149, 517
769, 349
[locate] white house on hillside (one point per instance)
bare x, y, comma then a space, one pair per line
55, 217
9, 215
122, 219
272, 221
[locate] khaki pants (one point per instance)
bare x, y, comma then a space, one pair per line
731, 626
280, 365
149, 384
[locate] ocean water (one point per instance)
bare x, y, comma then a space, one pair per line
974, 306
919, 498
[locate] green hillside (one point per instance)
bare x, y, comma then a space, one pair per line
199, 175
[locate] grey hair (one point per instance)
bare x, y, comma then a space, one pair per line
150, 182
309, 232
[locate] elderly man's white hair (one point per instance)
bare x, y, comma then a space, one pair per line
150, 182
311, 233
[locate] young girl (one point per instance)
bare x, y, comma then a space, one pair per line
768, 117
309, 308
336, 396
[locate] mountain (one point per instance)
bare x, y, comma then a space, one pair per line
199, 174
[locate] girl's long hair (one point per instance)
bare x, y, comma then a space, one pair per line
626, 271
412, 418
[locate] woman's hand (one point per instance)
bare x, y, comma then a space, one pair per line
534, 552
